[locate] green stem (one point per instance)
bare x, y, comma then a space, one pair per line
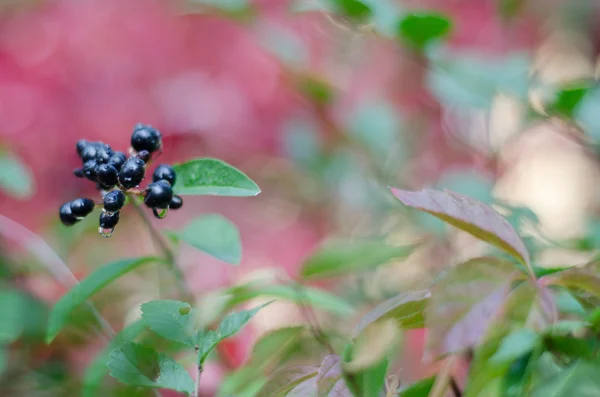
164, 247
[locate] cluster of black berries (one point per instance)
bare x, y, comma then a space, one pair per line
115, 174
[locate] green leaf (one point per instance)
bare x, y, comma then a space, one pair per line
516, 381
16, 178
215, 235
367, 381
317, 91
422, 28
580, 379
245, 382
580, 278
137, 365
335, 257
208, 176
406, 308
4, 357
515, 345
13, 307
165, 317
98, 369
567, 100
100, 278
230, 325
464, 304
470, 216
420, 388
283, 381
314, 297
275, 345
354, 10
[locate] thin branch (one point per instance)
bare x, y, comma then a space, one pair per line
59, 270
455, 388
163, 246
310, 318
198, 376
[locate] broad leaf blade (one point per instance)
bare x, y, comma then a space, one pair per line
469, 215
215, 235
169, 319
515, 345
465, 302
580, 379
406, 308
335, 257
208, 176
230, 325
282, 382
98, 369
420, 388
137, 365
422, 28
99, 279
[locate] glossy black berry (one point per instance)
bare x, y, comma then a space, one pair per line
117, 160
78, 172
103, 154
82, 207
114, 201
145, 137
144, 155
159, 194
66, 216
176, 203
132, 173
107, 175
166, 173
89, 151
89, 169
108, 220
81, 144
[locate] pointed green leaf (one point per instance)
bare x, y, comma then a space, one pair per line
137, 365
580, 379
215, 235
406, 308
355, 10
100, 278
335, 257
369, 381
229, 326
515, 345
420, 388
15, 177
469, 215
98, 369
245, 382
275, 345
13, 307
422, 28
208, 176
166, 319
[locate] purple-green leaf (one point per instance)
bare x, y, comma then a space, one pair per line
465, 302
469, 215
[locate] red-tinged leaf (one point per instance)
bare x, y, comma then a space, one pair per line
465, 302
583, 278
469, 215
284, 381
329, 374
406, 308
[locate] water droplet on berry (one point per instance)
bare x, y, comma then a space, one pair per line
160, 213
104, 232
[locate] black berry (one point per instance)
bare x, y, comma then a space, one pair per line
81, 144
66, 216
89, 170
176, 203
108, 220
114, 201
103, 154
166, 173
144, 155
89, 151
117, 160
145, 137
78, 172
107, 175
132, 173
82, 207
158, 194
